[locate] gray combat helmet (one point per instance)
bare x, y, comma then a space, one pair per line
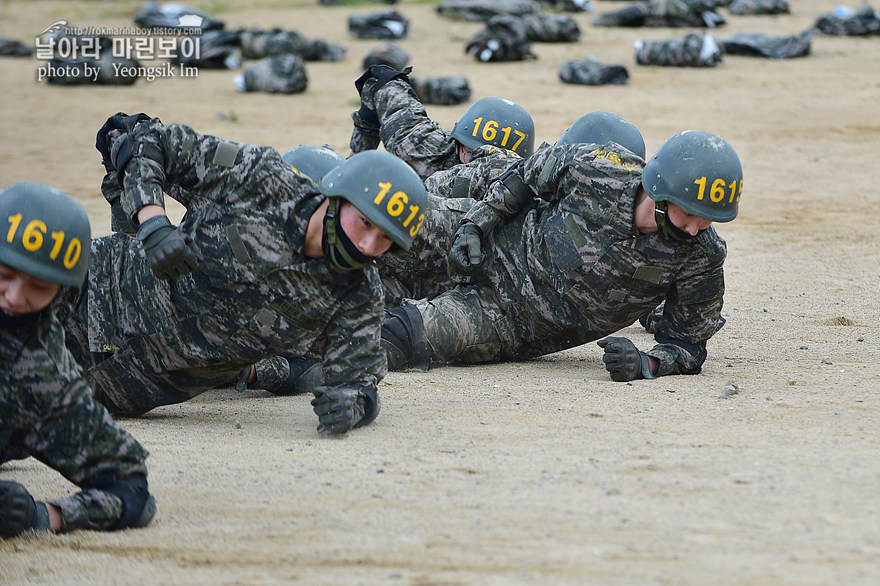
312, 161
602, 128
697, 171
47, 234
383, 188
497, 122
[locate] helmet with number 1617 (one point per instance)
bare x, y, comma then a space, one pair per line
497, 122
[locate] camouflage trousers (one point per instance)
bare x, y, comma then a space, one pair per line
471, 324
74, 435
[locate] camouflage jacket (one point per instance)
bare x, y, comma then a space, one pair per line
405, 129
578, 259
255, 294
422, 272
47, 409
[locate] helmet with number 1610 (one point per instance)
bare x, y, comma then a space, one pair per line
45, 234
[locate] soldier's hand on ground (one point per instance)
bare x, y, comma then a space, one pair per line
168, 252
622, 359
466, 255
337, 409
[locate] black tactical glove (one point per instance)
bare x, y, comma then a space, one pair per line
382, 74
343, 408
623, 360
116, 125
168, 252
466, 255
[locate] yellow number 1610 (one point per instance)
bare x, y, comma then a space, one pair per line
33, 238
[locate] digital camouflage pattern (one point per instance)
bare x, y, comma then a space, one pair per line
551, 28
385, 24
218, 49
282, 74
69, 70
574, 268
502, 39
691, 50
47, 411
168, 15
863, 21
760, 45
569, 5
404, 129
664, 13
149, 342
258, 43
758, 7
422, 272
386, 53
441, 91
483, 10
589, 71
14, 48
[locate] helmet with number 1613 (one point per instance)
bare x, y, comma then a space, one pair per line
383, 188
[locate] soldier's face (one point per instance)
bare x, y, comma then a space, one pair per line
369, 239
464, 153
684, 221
21, 294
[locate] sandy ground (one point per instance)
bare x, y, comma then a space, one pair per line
543, 472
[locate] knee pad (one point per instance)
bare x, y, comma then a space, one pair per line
404, 340
138, 505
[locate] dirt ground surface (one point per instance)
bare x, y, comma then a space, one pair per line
541, 472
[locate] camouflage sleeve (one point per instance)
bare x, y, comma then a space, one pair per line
353, 353
406, 130
691, 315
363, 136
67, 428
186, 165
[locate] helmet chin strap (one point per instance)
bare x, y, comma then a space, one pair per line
338, 248
665, 225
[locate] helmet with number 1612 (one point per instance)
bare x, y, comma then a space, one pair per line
697, 171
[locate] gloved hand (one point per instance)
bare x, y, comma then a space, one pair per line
116, 125
338, 409
168, 252
366, 116
383, 75
623, 360
466, 255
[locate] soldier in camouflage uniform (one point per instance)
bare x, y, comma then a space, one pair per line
615, 239
391, 113
46, 406
263, 263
